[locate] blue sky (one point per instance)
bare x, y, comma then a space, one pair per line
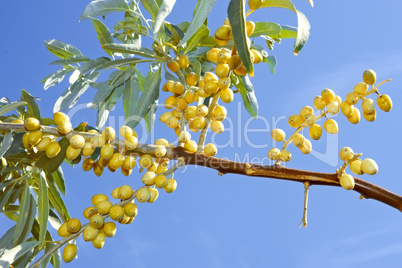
237, 221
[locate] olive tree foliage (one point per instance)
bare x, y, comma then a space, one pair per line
32, 184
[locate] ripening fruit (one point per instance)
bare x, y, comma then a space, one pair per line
327, 95
63, 230
160, 151
65, 128
346, 153
109, 133
89, 212
223, 32
165, 116
210, 149
361, 88
116, 213
96, 221
368, 106
319, 104
190, 146
172, 122
295, 121
369, 77
143, 194
131, 210
72, 153
278, 134
256, 55
347, 182
338, 99
224, 56
131, 142
173, 66
352, 98
34, 137
109, 229
31, 124
190, 96
191, 79
217, 127
98, 170
254, 4
369, 166
125, 192
90, 233
285, 156
73, 226
306, 110
202, 110
163, 142
107, 151
170, 102
25, 141
97, 141
170, 186
17, 121
315, 132
160, 181
178, 88
370, 117
347, 110
69, 252
356, 166
161, 168
115, 193
222, 70
146, 161
184, 62
309, 119
220, 42
104, 207
202, 93
154, 193
384, 102
273, 153
234, 62
99, 241
184, 136
299, 139
226, 95
149, 178
126, 131
116, 161
87, 150
219, 113
77, 141
331, 126
306, 147
250, 26
60, 118
355, 117
96, 199
43, 144
212, 54
211, 86
333, 107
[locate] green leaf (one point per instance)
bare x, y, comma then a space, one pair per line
201, 13
74, 92
164, 11
33, 108
131, 96
6, 240
107, 105
56, 199
56, 77
61, 49
6, 144
152, 7
103, 34
279, 3
247, 92
50, 165
23, 211
87, 67
58, 178
197, 37
173, 31
149, 95
266, 28
271, 60
43, 207
237, 19
11, 106
286, 33
17, 252
150, 117
129, 49
103, 7
4, 196
120, 62
196, 66
74, 59
56, 259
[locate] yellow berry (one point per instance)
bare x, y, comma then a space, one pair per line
34, 137
384, 102
257, 56
295, 121
125, 192
191, 146
331, 126
172, 122
170, 186
154, 193
90, 233
307, 147
149, 178
178, 88
217, 127
126, 131
99, 241
184, 62
43, 144
278, 134
220, 42
184, 136
25, 141
165, 116
77, 141
254, 4
160, 151
72, 153
160, 181
210, 149
369, 77
309, 119
170, 102
131, 210
333, 107
173, 66
89, 212
109, 229
143, 194
319, 104
146, 161
306, 110
63, 230
368, 106
212, 54
356, 166
96, 199
285, 156
116, 213
65, 128
191, 79
219, 113
87, 149
60, 118
273, 153
370, 117
104, 207
129, 162
355, 117
69, 252
299, 139
116, 161
73, 226
369, 166
31, 124
223, 32
361, 88
327, 95
222, 70
250, 26
97, 141
346, 153
234, 62
315, 132
347, 182
131, 142
224, 55
96, 221
226, 95
202, 110
346, 109
211, 86
107, 151
352, 98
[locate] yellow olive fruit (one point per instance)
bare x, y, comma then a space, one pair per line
184, 136
191, 79
153, 167
295, 121
309, 119
17, 121
361, 88
87, 150
161, 168
34, 137
93, 131
115, 193
222, 70
224, 56
319, 104
107, 151
160, 151
184, 62
63, 230
333, 107
338, 99
347, 109
170, 102
384, 102
172, 122
219, 113
97, 141
129, 162
190, 96
116, 161
278, 134
306, 110
69, 252
72, 153
306, 147
199, 122
217, 127
254, 4
178, 88
223, 84
53, 149
369, 77
125, 192
368, 106
257, 56
98, 170
352, 98
109, 134
96, 221
234, 62
31, 124
211, 86
220, 42
210, 149
126, 131
149, 178
327, 95
43, 144
356, 166
369, 166
25, 141
96, 199
89, 212
73, 226
202, 110
274, 153
250, 26
143, 194
190, 112
346, 153
315, 132
226, 95
77, 141
212, 54
146, 161
160, 181
109, 229
191, 146
241, 70
125, 219
131, 210
169, 85
60, 118
202, 93
65, 128
130, 143
116, 213
173, 66
165, 116
331, 126
99, 241
90, 233
355, 117
347, 182
299, 139
223, 32
285, 156
170, 186
103, 162
125, 171
154, 193
370, 117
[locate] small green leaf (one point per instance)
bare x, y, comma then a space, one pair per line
56, 77
103, 34
196, 66
271, 60
286, 33
164, 11
237, 19
120, 62
107, 105
247, 92
11, 106
6, 240
87, 67
266, 28
43, 207
61, 49
4, 196
6, 144
152, 7
150, 117
50, 165
131, 96
74, 59
17, 252
54, 220
56, 199
23, 211
103, 7
33, 108
58, 178
197, 37
173, 31
129, 49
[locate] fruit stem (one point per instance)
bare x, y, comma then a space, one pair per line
341, 170
304, 219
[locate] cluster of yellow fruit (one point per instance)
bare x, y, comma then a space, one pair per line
329, 103
356, 165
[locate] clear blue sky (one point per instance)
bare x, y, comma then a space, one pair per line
237, 221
